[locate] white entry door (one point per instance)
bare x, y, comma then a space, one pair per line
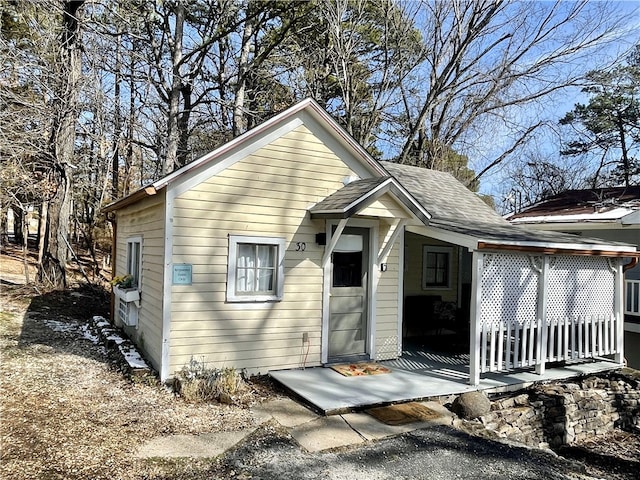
348, 316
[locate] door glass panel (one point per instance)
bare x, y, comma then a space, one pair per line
347, 269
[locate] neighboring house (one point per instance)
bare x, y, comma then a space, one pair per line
607, 213
291, 247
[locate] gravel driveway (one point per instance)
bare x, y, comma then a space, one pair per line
434, 453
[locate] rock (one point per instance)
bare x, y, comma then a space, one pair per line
471, 405
521, 400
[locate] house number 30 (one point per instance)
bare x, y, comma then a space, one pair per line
301, 247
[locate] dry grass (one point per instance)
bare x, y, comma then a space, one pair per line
197, 383
66, 410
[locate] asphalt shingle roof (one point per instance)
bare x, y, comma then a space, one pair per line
444, 197
457, 209
587, 201
350, 193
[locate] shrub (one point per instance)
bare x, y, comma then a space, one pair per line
197, 383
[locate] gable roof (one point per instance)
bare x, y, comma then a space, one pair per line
306, 107
594, 205
458, 211
358, 194
441, 202
446, 199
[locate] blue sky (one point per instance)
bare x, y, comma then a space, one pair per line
496, 182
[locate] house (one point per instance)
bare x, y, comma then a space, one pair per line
291, 247
606, 213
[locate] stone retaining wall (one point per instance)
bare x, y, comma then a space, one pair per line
564, 413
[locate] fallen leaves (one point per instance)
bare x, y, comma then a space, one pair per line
67, 412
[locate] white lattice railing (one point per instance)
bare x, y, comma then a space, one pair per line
632, 297
507, 346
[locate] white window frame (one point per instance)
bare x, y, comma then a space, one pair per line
234, 241
426, 249
131, 242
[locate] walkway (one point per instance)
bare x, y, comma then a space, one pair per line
417, 375
312, 432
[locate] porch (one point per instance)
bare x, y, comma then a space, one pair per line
419, 374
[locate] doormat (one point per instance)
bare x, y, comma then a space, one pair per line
360, 369
403, 413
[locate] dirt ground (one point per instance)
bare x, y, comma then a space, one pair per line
67, 411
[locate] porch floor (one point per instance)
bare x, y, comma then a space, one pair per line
418, 375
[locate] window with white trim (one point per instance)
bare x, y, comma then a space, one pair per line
134, 260
436, 267
256, 269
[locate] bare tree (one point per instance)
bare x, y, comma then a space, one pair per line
68, 72
31, 150
352, 57
179, 38
485, 61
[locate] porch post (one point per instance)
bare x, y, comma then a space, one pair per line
474, 320
618, 312
333, 238
543, 288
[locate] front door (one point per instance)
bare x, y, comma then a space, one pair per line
348, 318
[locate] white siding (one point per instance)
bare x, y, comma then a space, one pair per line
387, 301
145, 219
266, 194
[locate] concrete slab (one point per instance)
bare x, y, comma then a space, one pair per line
192, 446
324, 433
413, 379
333, 393
285, 411
372, 429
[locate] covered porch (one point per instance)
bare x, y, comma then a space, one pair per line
514, 301
419, 374
518, 299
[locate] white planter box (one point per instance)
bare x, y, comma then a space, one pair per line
127, 294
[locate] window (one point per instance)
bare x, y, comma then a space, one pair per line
348, 260
256, 269
134, 259
347, 269
436, 267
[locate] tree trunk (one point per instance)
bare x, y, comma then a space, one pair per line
25, 247
117, 124
18, 222
4, 227
128, 162
626, 167
42, 230
239, 117
171, 160
183, 125
62, 142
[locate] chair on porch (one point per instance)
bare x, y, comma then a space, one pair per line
445, 316
421, 318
